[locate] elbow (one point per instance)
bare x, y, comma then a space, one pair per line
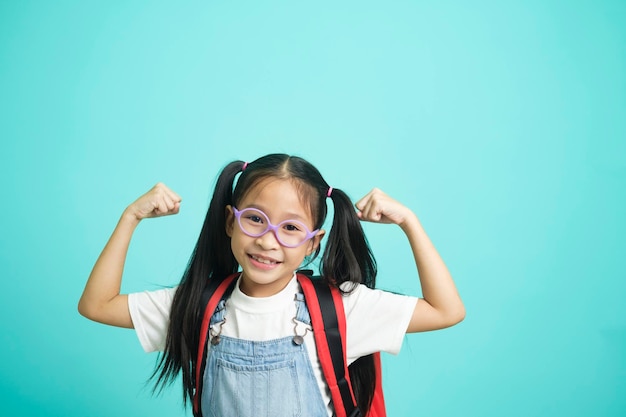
82, 309
86, 310
455, 316
460, 315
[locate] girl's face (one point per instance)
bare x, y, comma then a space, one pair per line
267, 265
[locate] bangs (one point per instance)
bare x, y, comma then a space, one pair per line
306, 193
304, 177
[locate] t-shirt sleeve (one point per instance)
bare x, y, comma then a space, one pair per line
377, 321
150, 313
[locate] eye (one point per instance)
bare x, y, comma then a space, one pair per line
294, 227
290, 227
254, 218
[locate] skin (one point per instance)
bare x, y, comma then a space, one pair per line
101, 300
279, 199
440, 306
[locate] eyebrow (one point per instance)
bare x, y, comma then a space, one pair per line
289, 215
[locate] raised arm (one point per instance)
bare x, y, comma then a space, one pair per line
101, 300
441, 306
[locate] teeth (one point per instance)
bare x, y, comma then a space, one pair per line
263, 261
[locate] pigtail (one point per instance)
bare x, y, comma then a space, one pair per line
347, 257
211, 259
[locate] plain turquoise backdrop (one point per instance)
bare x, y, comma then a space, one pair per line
502, 124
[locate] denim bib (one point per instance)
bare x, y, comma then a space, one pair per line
272, 378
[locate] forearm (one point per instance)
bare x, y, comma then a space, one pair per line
438, 288
441, 306
100, 299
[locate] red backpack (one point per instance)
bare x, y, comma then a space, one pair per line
329, 329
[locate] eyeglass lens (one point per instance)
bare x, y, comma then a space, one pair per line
289, 232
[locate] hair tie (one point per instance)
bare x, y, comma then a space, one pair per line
245, 164
330, 190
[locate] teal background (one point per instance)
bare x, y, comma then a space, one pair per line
501, 124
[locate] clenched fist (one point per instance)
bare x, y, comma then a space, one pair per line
159, 201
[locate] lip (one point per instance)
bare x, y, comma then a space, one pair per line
258, 261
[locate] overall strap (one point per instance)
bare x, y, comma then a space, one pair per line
211, 296
329, 329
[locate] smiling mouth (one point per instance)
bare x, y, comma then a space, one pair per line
264, 260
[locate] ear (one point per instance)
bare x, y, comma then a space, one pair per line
230, 220
315, 242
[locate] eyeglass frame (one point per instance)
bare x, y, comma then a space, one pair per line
273, 227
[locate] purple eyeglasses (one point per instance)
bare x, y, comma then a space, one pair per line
289, 233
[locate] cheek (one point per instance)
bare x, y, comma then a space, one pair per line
236, 242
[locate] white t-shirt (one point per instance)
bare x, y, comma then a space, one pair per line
376, 321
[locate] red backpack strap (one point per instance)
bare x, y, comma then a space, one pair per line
211, 296
329, 329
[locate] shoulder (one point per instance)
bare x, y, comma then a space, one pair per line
355, 291
161, 293
362, 299
150, 313
376, 320
160, 300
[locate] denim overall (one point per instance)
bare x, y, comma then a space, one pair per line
271, 378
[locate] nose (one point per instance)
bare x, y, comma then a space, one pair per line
268, 240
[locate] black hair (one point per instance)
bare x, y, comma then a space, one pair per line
347, 257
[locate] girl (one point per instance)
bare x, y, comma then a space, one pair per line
267, 226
